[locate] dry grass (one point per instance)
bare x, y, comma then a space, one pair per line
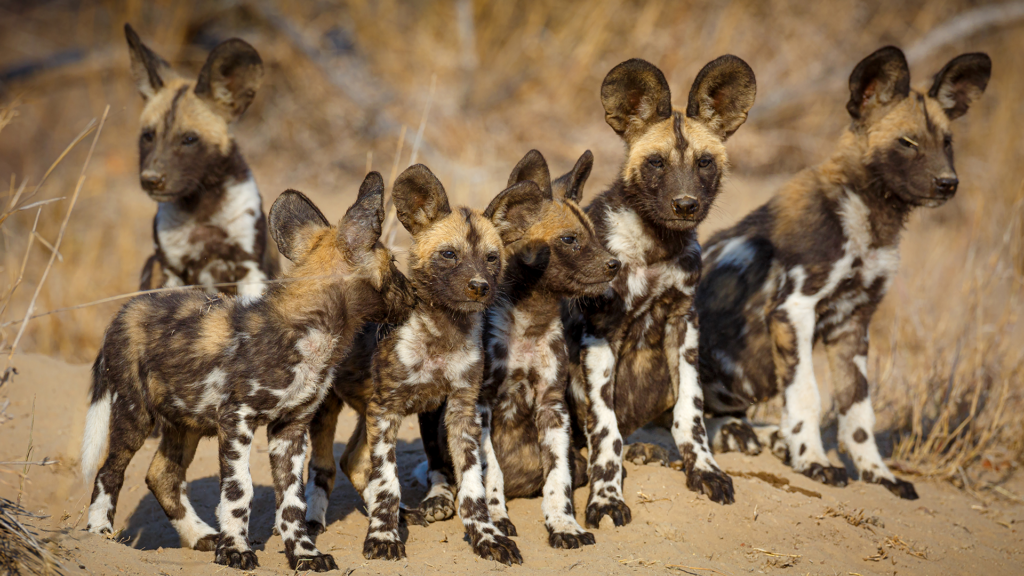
21, 550
345, 78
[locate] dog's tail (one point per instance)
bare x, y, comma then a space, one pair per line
97, 422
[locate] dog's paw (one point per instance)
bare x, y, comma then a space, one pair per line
713, 483
379, 549
499, 549
901, 488
616, 509
240, 559
570, 540
315, 563
640, 453
437, 508
739, 436
826, 474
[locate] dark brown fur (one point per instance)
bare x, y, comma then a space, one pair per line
633, 351
209, 228
435, 354
815, 261
221, 366
525, 419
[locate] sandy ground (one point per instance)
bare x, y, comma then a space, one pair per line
781, 522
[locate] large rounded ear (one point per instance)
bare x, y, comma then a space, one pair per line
961, 82
293, 219
635, 95
361, 226
420, 199
570, 185
149, 70
878, 80
722, 94
515, 209
229, 79
533, 167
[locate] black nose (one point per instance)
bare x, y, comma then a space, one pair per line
685, 207
153, 182
946, 186
613, 265
478, 288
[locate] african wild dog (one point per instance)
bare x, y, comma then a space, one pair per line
222, 366
209, 228
633, 351
526, 439
815, 261
455, 263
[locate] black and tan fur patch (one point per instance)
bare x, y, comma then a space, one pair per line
526, 436
221, 366
815, 261
633, 351
209, 228
434, 355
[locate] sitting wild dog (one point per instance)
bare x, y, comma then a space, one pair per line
526, 438
634, 350
456, 263
815, 261
221, 366
209, 228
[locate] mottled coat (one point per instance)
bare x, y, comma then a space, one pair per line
813, 264
221, 366
634, 350
434, 355
526, 437
209, 228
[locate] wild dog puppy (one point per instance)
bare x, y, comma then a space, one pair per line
456, 264
209, 227
815, 261
526, 439
223, 366
634, 350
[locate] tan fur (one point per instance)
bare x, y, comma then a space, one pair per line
660, 138
451, 232
192, 115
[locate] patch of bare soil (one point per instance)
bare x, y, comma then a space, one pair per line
782, 522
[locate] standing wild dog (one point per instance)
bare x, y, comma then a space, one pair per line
815, 261
222, 366
634, 350
435, 354
209, 228
526, 439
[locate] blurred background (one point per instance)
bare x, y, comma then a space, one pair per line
471, 86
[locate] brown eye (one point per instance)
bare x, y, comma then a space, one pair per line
704, 162
569, 239
448, 255
655, 162
492, 258
189, 139
947, 141
147, 136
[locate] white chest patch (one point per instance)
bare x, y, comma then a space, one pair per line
236, 218
419, 350
532, 354
876, 262
630, 243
